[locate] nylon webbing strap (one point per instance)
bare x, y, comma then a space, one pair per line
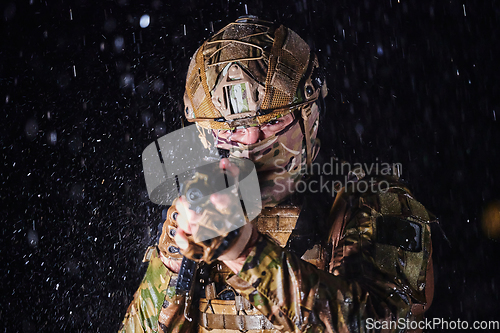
234, 322
206, 107
306, 112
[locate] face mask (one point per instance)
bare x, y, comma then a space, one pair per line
280, 159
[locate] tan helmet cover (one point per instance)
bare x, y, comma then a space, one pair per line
248, 74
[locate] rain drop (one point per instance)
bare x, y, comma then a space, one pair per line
75, 143
31, 128
127, 81
158, 85
160, 129
359, 129
144, 21
146, 117
119, 43
52, 137
32, 238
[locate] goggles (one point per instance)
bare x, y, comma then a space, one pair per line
259, 118
265, 130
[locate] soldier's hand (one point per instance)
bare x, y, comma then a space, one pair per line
219, 231
188, 220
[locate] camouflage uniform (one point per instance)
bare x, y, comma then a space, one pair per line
371, 258
373, 272
142, 313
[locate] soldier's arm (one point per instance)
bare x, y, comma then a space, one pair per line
155, 298
142, 313
156, 307
296, 296
372, 279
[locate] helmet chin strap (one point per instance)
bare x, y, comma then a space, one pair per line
306, 113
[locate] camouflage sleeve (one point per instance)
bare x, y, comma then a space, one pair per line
295, 296
142, 313
373, 277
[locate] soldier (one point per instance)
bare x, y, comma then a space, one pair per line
302, 265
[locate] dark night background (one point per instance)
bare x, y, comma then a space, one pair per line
84, 89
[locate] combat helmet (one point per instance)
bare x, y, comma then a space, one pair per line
250, 73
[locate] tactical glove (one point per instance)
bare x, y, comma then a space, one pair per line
220, 240
166, 244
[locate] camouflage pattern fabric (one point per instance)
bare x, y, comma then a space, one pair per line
142, 313
371, 275
381, 269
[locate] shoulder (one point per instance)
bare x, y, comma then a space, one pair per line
384, 196
389, 230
